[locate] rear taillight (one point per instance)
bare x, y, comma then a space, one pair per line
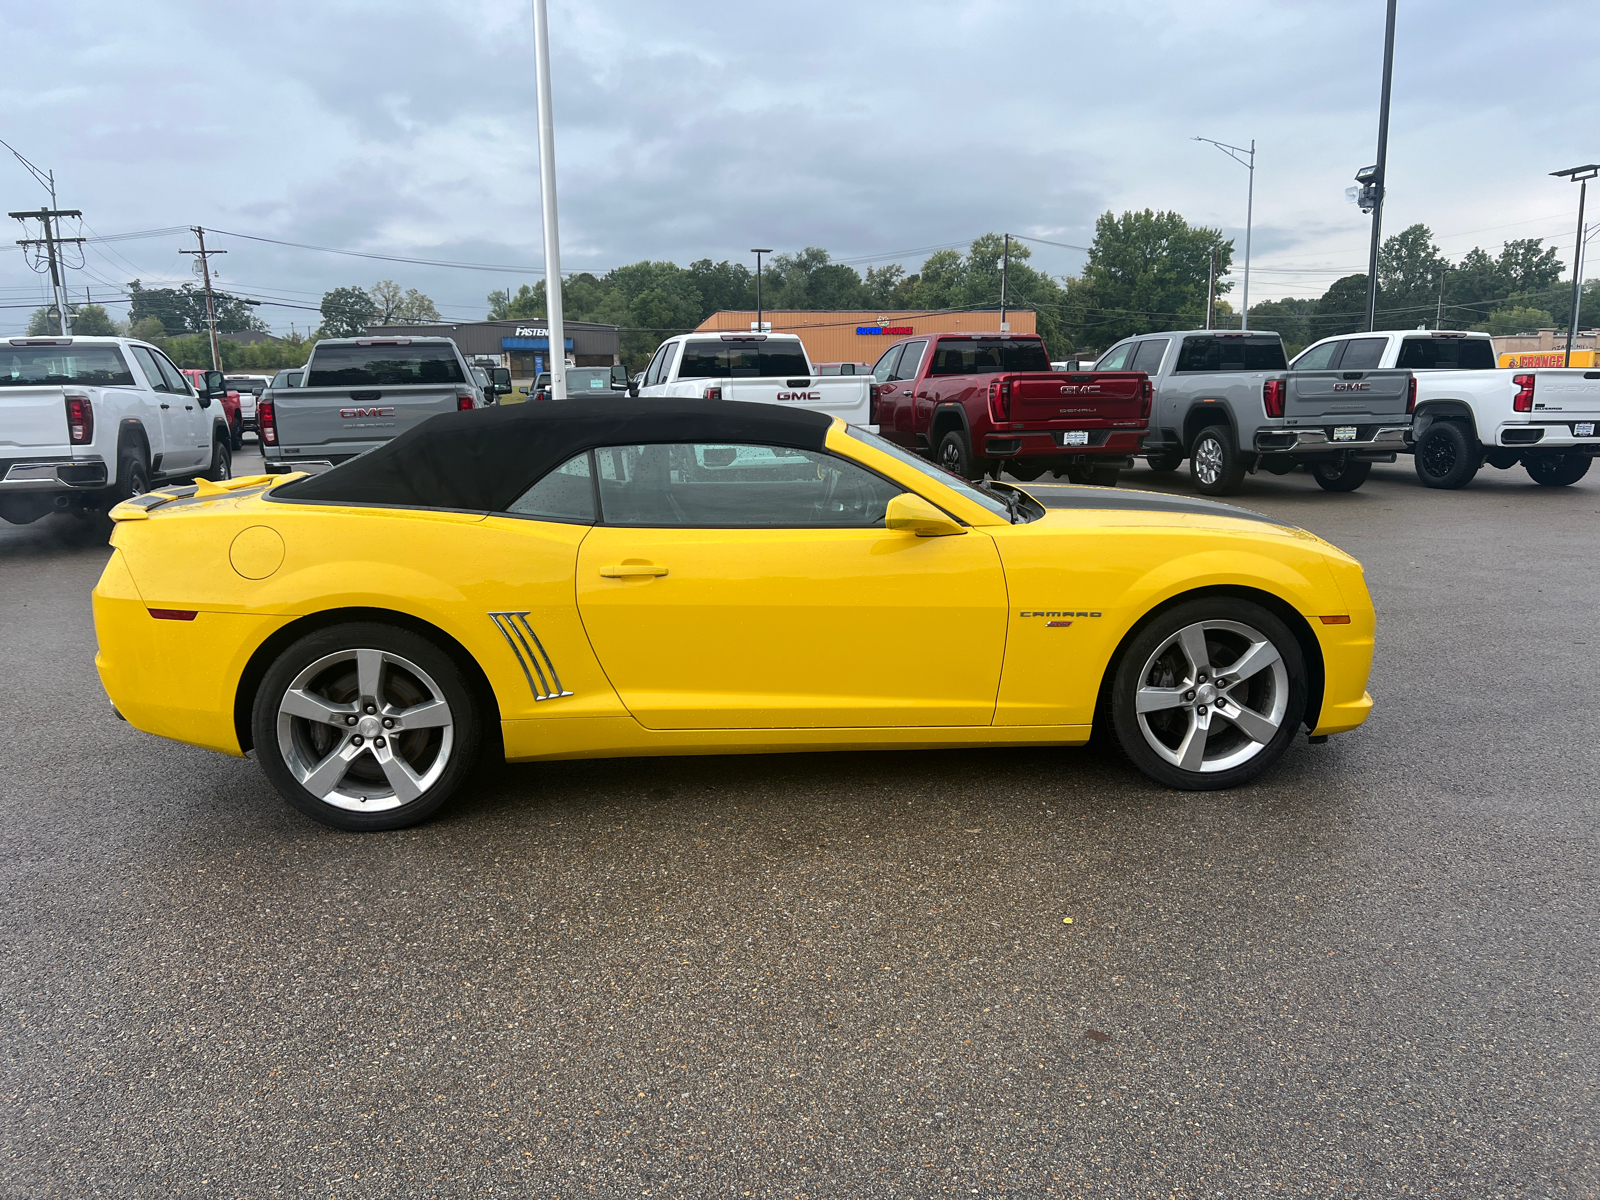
463, 401
267, 421
1523, 400
1272, 397
1411, 395
872, 403
80, 420
711, 393
1000, 401
1148, 399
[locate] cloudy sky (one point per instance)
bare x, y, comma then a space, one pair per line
688, 131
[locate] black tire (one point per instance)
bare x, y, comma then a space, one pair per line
332, 667
1444, 456
1556, 470
955, 456
133, 478
236, 435
1215, 463
1340, 477
221, 467
1270, 700
1166, 461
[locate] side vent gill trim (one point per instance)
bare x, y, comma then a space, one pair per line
531, 655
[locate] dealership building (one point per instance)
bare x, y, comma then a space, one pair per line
523, 346
862, 336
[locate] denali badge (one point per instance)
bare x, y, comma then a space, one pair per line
358, 413
1352, 387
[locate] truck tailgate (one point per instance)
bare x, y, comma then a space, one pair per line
349, 420
1356, 395
848, 397
1572, 392
1081, 399
33, 420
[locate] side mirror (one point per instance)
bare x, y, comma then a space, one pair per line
205, 399
619, 377
500, 380
214, 382
910, 513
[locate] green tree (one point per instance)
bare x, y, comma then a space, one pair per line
1290, 319
1342, 309
723, 286
1147, 272
1506, 321
91, 320
1523, 266
346, 312
809, 279
43, 322
147, 329
394, 306
889, 287
1410, 268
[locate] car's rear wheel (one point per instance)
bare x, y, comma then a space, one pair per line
236, 434
365, 726
955, 455
1444, 456
1337, 476
1215, 462
1209, 694
1556, 470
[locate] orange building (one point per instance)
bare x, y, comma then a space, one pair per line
863, 336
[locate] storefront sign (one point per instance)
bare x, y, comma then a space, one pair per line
1548, 358
535, 339
884, 330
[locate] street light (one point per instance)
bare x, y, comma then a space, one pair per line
758, 253
1580, 176
1373, 179
1249, 163
547, 189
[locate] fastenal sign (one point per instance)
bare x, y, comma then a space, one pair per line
884, 330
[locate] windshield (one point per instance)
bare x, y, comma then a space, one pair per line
92, 366
984, 356
1447, 354
955, 483
588, 379
743, 360
354, 366
245, 383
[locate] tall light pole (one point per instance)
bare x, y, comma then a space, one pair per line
1580, 176
758, 253
1249, 162
547, 194
1373, 179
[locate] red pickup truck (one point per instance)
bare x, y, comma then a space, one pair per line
230, 408
981, 403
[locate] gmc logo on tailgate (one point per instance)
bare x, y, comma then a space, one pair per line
357, 413
800, 397
1352, 387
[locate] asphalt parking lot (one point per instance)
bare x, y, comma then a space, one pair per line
1372, 974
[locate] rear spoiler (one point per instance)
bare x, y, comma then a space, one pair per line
139, 507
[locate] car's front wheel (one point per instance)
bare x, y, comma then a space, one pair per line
1209, 693
365, 726
221, 468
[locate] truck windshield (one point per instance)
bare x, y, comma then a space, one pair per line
92, 366
743, 360
1231, 354
588, 379
984, 356
354, 366
245, 383
1447, 354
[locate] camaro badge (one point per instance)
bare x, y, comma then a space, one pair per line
1057, 620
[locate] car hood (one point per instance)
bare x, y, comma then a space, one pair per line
1155, 503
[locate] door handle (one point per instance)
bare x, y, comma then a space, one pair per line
632, 571
166, 406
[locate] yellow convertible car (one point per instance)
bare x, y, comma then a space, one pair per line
701, 577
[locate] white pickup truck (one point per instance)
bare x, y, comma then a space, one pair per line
767, 368
87, 422
1470, 412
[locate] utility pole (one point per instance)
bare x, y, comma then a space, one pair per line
205, 270
1438, 321
758, 253
1005, 265
1211, 290
547, 193
1580, 176
1248, 162
50, 241
1378, 180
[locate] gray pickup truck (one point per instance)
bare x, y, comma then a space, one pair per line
357, 393
1227, 401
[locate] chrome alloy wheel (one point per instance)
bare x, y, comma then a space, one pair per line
950, 458
1208, 460
1203, 672
365, 730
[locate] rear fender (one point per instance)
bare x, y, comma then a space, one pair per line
1203, 416
1443, 410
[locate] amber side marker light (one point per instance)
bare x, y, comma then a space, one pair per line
186, 614
1334, 620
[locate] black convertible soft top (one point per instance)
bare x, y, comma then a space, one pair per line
483, 459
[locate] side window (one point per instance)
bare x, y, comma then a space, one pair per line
152, 372
652, 373
1363, 354
1200, 354
702, 485
176, 383
884, 371
1116, 359
668, 359
1147, 357
565, 494
1319, 358
910, 360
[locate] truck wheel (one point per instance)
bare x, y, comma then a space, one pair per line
1444, 456
236, 435
133, 478
1167, 460
365, 726
1340, 477
1215, 463
1209, 694
955, 455
221, 462
1557, 470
